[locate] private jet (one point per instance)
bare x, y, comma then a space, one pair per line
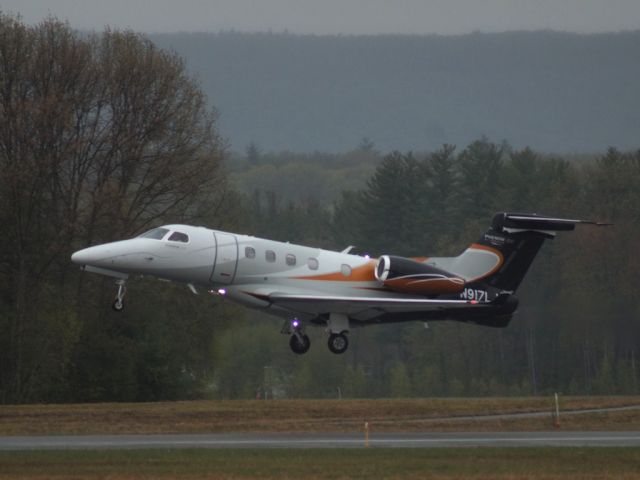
337, 290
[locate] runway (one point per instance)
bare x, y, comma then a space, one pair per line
325, 440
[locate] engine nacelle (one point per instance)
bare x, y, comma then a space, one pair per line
408, 276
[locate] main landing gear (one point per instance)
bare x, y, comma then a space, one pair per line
337, 326
118, 303
338, 343
299, 341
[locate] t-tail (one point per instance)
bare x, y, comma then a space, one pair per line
504, 253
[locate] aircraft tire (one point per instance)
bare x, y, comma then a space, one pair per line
118, 305
338, 343
299, 347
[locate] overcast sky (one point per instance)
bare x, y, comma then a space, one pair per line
337, 16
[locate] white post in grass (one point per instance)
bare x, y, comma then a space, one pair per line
366, 434
556, 423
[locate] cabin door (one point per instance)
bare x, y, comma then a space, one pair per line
226, 263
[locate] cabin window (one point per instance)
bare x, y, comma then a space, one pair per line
345, 270
270, 256
179, 237
156, 233
290, 259
312, 263
249, 252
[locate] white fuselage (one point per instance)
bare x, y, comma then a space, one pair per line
245, 268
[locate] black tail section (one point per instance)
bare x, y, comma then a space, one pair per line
518, 251
518, 237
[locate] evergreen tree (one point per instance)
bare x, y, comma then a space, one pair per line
354, 383
481, 178
389, 208
399, 381
253, 154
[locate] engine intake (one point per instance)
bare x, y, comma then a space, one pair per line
408, 276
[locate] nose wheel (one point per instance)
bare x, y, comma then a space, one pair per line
118, 303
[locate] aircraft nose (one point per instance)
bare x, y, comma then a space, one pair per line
81, 256
88, 256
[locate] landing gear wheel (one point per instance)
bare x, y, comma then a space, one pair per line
299, 343
118, 305
338, 343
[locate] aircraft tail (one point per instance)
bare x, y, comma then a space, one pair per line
502, 256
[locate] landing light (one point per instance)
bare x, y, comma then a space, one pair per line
295, 324
222, 291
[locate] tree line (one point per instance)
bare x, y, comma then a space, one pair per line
105, 135
577, 328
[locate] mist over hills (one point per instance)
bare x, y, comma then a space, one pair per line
557, 92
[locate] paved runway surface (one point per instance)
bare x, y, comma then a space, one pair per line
325, 440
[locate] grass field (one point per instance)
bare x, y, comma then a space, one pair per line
505, 463
433, 414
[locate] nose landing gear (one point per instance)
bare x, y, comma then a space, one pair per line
118, 303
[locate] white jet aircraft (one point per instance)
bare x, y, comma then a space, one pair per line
339, 290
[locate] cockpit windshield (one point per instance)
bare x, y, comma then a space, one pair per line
179, 237
156, 234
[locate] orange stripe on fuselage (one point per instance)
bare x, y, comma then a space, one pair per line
426, 286
363, 273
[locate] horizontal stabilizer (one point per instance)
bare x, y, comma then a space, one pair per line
532, 221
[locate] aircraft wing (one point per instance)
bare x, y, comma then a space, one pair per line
359, 307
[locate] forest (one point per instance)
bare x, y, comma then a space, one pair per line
103, 136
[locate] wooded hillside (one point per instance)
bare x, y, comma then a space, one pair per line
560, 92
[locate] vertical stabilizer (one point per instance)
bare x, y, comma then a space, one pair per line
503, 254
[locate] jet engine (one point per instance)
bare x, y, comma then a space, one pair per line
408, 276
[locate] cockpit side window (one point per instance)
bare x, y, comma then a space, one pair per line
156, 234
179, 237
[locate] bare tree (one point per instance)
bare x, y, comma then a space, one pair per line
100, 136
